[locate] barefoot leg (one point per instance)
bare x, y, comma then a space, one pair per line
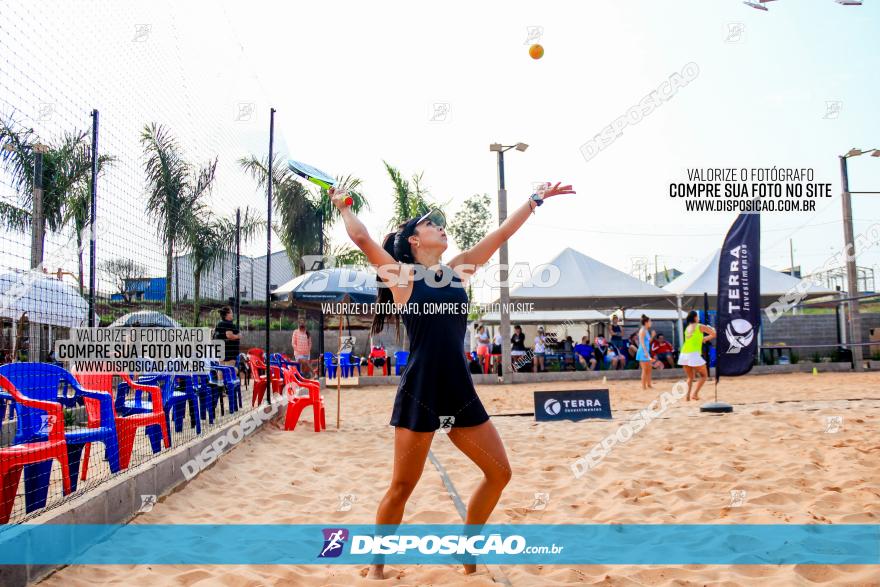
689, 371
703, 376
482, 445
410, 451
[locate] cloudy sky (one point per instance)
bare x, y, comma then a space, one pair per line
356, 83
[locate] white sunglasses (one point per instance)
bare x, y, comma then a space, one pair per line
436, 217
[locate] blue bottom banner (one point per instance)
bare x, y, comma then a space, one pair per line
566, 544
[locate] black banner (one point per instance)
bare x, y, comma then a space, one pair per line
739, 297
572, 404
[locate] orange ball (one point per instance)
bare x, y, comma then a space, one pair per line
536, 51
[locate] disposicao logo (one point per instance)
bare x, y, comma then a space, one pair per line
334, 539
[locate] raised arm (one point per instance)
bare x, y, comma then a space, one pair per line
358, 234
481, 252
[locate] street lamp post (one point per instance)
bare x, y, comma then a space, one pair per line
506, 363
855, 320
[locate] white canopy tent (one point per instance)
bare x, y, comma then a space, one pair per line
703, 278
547, 317
689, 287
45, 299
586, 284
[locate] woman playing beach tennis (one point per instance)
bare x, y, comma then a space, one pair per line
691, 356
436, 390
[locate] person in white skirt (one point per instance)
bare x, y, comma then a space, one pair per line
691, 356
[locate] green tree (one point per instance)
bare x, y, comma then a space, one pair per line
298, 212
209, 239
470, 224
176, 189
410, 199
78, 214
347, 256
66, 177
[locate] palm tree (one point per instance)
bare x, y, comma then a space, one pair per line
209, 239
410, 201
347, 256
176, 190
66, 178
302, 218
78, 214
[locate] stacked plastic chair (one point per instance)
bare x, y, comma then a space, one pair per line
330, 365
348, 363
259, 377
229, 378
153, 422
293, 381
39, 452
174, 400
42, 381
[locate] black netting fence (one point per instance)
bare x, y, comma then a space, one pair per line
175, 232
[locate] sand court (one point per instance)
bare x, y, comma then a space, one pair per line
798, 449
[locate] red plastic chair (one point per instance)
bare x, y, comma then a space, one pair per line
295, 405
259, 378
14, 458
126, 426
257, 353
377, 354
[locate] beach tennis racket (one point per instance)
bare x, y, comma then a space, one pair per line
316, 176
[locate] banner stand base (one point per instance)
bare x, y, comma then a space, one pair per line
716, 408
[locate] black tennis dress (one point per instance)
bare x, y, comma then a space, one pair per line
435, 387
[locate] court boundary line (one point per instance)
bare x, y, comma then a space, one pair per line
462, 512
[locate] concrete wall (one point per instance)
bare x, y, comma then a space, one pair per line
818, 329
119, 499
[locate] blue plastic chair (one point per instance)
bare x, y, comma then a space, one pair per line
229, 378
400, 360
208, 394
173, 400
43, 381
349, 363
329, 365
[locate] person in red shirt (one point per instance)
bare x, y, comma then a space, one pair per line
662, 351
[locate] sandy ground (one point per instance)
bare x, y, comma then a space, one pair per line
779, 447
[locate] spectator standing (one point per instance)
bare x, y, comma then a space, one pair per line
483, 340
229, 334
517, 347
540, 347
496, 343
616, 333
302, 348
